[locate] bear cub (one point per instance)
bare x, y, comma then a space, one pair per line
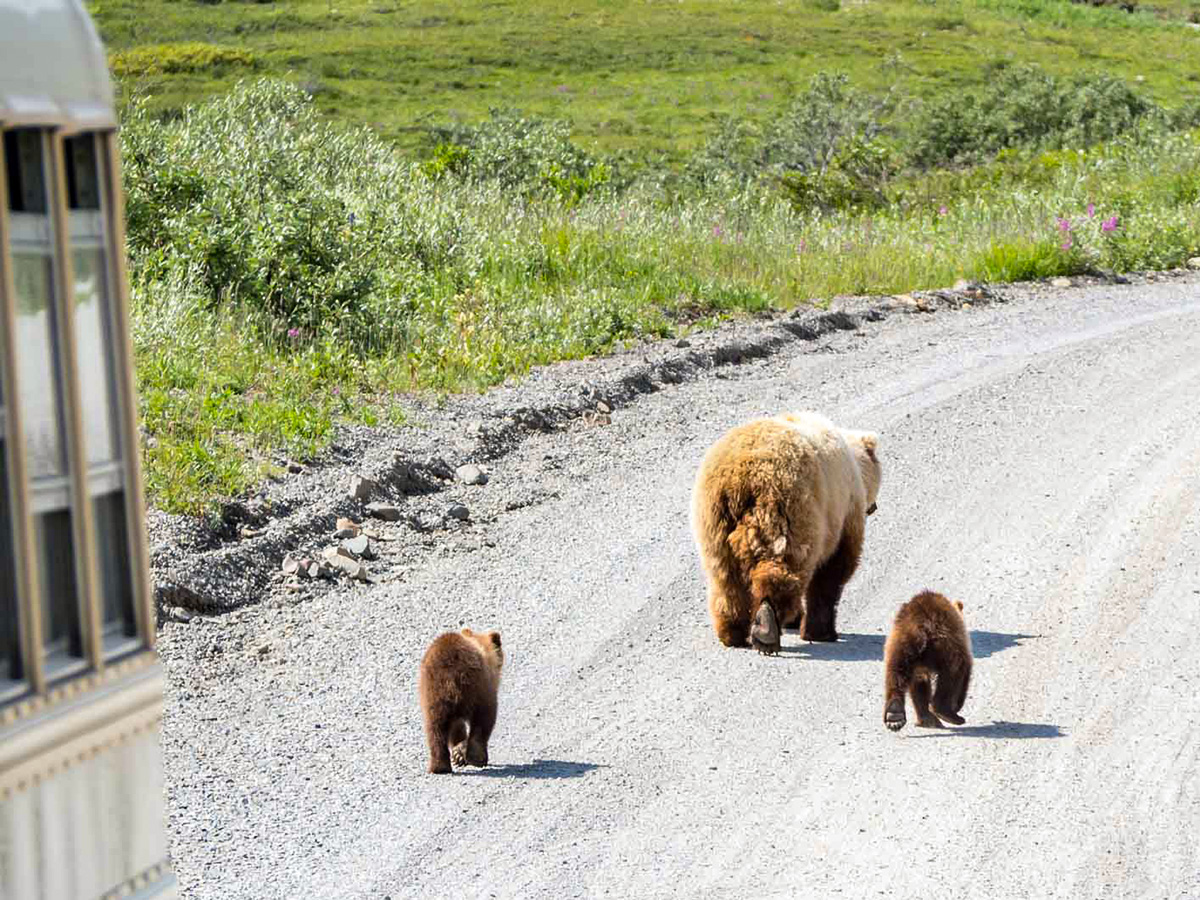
928, 647
458, 684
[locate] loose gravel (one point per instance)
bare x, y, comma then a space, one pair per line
1042, 463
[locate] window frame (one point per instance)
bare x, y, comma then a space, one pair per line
42, 680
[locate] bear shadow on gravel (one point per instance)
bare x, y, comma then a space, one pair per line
847, 648
538, 769
996, 729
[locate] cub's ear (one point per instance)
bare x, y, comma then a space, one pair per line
958, 603
495, 636
870, 442
466, 632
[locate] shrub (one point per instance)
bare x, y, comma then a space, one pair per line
1024, 106
522, 154
192, 56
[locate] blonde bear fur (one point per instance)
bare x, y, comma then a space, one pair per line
458, 686
779, 512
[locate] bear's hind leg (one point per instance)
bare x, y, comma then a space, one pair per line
948, 697
458, 742
482, 723
825, 589
894, 688
764, 633
920, 691
436, 737
733, 630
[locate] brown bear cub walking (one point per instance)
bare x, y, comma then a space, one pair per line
929, 642
460, 677
779, 512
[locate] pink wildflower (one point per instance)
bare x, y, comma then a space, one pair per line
1064, 225
942, 210
293, 333
1066, 245
1109, 224
1091, 210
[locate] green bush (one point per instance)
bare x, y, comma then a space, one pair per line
522, 154
827, 149
191, 56
268, 210
1024, 106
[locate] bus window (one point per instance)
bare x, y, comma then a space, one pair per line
10, 648
94, 341
39, 365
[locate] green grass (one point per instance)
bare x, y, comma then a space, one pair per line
295, 265
648, 77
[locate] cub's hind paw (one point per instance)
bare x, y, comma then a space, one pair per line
764, 633
458, 755
930, 722
952, 718
893, 715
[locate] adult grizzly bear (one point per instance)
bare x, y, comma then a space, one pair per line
928, 642
779, 511
458, 684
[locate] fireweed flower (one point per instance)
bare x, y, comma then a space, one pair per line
1064, 225
942, 210
1066, 245
1091, 210
293, 333
1109, 224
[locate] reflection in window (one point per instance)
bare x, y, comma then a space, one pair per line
35, 343
112, 544
61, 635
10, 651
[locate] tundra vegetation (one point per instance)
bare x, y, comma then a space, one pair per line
330, 205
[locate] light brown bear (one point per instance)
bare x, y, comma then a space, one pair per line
458, 684
928, 643
779, 512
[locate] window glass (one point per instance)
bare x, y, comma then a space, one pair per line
93, 340
112, 546
60, 611
10, 655
35, 340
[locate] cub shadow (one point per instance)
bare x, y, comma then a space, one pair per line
538, 769
988, 643
998, 729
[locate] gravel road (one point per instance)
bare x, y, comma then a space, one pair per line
1042, 464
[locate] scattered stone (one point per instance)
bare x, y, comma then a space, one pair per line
603, 407
359, 547
263, 649
596, 418
247, 532
291, 565
1194, 262
966, 306
361, 487
681, 343
458, 511
377, 535
384, 511
295, 468
347, 528
1060, 282
471, 474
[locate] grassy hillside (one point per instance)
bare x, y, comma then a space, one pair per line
304, 249
645, 75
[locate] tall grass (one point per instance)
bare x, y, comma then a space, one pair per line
289, 274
